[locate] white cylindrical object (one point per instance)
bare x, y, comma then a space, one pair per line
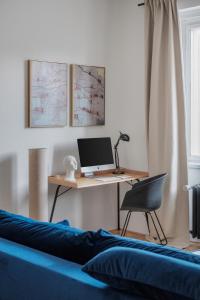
38, 184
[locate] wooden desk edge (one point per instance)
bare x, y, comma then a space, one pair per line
142, 174
89, 182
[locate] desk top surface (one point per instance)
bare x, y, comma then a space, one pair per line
98, 179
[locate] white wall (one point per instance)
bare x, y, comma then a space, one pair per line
126, 88
88, 32
71, 31
106, 32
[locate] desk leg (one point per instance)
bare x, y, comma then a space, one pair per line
54, 203
118, 206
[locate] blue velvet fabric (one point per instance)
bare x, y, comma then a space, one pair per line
64, 222
72, 243
161, 277
28, 274
56, 239
103, 240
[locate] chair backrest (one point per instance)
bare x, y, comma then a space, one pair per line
145, 195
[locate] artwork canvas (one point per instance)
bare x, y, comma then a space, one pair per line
87, 95
48, 86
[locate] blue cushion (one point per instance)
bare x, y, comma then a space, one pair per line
146, 273
105, 240
56, 239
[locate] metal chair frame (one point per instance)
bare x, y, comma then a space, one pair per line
162, 239
146, 196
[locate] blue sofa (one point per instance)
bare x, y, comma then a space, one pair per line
29, 274
60, 271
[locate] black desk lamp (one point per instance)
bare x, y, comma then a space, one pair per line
122, 137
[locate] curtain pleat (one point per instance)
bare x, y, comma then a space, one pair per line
165, 113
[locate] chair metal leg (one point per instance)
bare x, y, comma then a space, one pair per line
147, 221
162, 241
165, 238
158, 235
123, 233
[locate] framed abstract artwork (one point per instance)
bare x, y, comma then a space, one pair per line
48, 94
87, 95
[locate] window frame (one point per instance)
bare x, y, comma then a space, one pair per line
189, 19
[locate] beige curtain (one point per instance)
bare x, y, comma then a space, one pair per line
165, 113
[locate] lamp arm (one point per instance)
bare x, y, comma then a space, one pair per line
116, 158
116, 145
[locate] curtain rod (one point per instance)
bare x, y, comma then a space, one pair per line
141, 4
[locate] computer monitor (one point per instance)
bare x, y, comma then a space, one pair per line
95, 154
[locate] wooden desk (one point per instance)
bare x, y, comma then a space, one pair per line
87, 182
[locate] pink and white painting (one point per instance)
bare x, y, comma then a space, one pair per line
87, 95
48, 86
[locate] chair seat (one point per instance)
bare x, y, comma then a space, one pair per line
136, 209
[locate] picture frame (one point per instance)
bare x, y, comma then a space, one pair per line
87, 93
48, 93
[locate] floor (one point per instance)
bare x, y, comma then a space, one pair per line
139, 236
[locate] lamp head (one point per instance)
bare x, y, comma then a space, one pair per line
124, 137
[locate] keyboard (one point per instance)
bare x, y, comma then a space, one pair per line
122, 176
106, 178
112, 178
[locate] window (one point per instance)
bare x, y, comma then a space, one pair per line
190, 27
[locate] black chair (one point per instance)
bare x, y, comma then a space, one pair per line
146, 196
